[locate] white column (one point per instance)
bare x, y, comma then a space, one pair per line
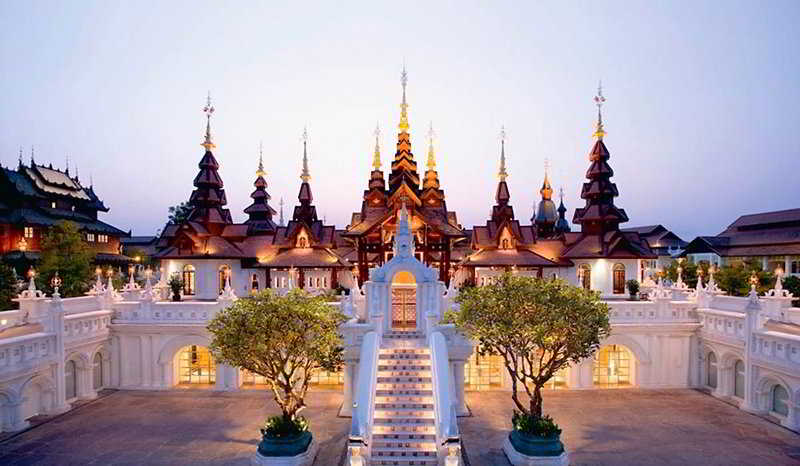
347, 399
458, 378
13, 421
787, 264
57, 324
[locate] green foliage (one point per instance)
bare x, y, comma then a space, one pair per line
282, 427
792, 285
175, 284
537, 326
633, 287
689, 272
179, 213
735, 279
8, 288
285, 339
65, 252
543, 426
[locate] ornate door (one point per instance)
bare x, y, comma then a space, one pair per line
404, 307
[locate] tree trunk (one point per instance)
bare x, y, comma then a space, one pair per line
536, 402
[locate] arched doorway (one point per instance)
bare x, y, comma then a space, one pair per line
38, 395
71, 379
711, 370
188, 280
224, 273
619, 279
613, 367
195, 366
738, 379
97, 372
404, 301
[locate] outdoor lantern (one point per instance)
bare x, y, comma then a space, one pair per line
779, 272
55, 282
23, 245
110, 272
680, 269
31, 272
753, 280
130, 269
98, 271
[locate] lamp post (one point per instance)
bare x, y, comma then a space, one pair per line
31, 281
753, 281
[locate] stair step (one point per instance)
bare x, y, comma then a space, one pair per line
405, 429
383, 452
383, 352
404, 379
405, 446
397, 461
403, 405
404, 386
404, 392
403, 422
404, 435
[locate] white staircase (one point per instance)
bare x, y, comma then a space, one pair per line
404, 425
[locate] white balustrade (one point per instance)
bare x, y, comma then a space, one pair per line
26, 351
626, 312
81, 304
719, 323
87, 325
10, 318
777, 348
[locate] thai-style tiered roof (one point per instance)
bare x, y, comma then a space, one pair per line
260, 213
208, 198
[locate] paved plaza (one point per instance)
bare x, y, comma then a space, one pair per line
635, 427
211, 428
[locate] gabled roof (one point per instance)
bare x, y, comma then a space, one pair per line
612, 244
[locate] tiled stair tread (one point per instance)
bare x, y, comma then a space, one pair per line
394, 422
397, 461
404, 435
405, 392
408, 405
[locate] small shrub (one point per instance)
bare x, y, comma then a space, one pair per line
176, 285
633, 287
792, 284
284, 427
537, 426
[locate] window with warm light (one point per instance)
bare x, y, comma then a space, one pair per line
585, 276
483, 372
102, 238
619, 279
254, 282
196, 366
29, 232
612, 367
90, 237
224, 273
53, 205
188, 277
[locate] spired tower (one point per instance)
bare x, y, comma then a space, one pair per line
404, 178
562, 225
208, 198
502, 211
599, 215
305, 212
260, 212
545, 216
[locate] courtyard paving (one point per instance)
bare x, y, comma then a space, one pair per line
199, 427
636, 427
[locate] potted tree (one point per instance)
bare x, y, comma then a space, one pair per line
633, 289
176, 286
538, 327
284, 339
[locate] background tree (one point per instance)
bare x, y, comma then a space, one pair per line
792, 284
65, 252
8, 288
537, 326
689, 273
735, 279
179, 213
284, 339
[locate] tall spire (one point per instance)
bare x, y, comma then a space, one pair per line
305, 175
431, 155
502, 174
260, 171
404, 126
67, 165
376, 158
546, 216
208, 110
599, 132
546, 191
32, 154
20, 156
280, 220
562, 225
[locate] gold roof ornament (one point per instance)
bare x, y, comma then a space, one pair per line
305, 175
431, 153
376, 158
502, 174
547, 190
260, 171
599, 100
208, 110
404, 126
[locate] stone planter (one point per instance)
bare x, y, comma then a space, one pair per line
296, 451
529, 450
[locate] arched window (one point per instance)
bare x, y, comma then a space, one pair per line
711, 370
612, 367
97, 372
505, 243
738, 383
188, 280
70, 380
196, 366
780, 400
302, 242
585, 276
224, 273
619, 279
254, 282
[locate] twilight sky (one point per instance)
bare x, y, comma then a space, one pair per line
702, 114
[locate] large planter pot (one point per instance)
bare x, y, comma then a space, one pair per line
528, 450
294, 451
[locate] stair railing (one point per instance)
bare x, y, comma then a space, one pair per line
447, 435
360, 437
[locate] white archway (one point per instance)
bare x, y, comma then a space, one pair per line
38, 396
168, 353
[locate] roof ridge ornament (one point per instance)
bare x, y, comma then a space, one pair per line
376, 157
599, 100
305, 175
208, 110
502, 173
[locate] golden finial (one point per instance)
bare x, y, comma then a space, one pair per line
305, 175
546, 191
599, 100
431, 154
404, 126
376, 158
208, 110
260, 171
502, 174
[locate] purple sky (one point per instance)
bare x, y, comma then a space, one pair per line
702, 114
